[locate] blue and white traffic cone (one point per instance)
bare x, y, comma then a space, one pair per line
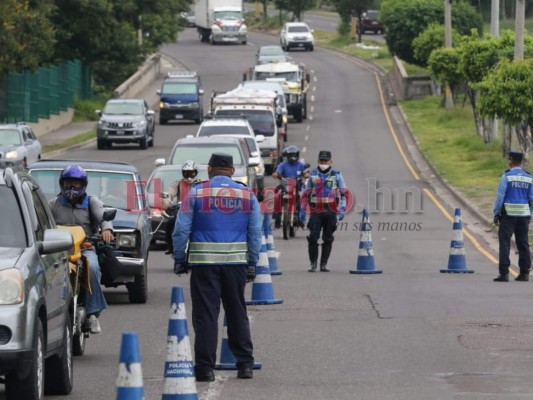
457, 259
227, 359
130, 378
271, 249
179, 382
365, 259
262, 290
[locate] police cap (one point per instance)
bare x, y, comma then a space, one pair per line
221, 160
518, 157
324, 155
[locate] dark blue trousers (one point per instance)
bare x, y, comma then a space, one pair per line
210, 285
327, 223
519, 226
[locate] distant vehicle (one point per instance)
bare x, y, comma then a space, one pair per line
200, 149
237, 127
189, 18
268, 54
18, 145
117, 185
297, 35
221, 21
370, 22
180, 97
159, 181
36, 321
125, 121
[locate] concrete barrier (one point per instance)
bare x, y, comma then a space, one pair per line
407, 87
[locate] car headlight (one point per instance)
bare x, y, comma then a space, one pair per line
11, 286
139, 124
102, 123
126, 240
195, 105
285, 119
243, 28
163, 105
216, 28
12, 154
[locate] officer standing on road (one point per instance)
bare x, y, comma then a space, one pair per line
512, 212
221, 221
325, 204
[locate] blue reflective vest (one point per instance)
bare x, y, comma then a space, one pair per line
221, 220
323, 184
515, 193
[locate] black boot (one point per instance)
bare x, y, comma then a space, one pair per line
323, 267
313, 266
522, 277
502, 278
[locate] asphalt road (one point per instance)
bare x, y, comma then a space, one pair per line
410, 333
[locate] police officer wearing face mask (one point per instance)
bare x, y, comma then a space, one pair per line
325, 203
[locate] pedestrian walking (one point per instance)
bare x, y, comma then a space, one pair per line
221, 222
326, 203
512, 212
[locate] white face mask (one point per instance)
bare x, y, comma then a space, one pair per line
323, 167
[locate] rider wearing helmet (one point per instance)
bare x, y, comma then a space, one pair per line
176, 193
293, 168
74, 207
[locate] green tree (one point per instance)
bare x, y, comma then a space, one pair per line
406, 19
26, 35
444, 66
297, 7
431, 39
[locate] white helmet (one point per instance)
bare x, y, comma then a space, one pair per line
188, 167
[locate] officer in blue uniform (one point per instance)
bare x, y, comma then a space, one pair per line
512, 212
326, 203
221, 222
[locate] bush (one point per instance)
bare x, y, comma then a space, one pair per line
84, 110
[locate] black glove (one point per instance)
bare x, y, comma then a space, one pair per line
250, 273
180, 268
497, 220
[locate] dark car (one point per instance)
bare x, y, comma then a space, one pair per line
370, 22
180, 97
36, 320
117, 185
125, 121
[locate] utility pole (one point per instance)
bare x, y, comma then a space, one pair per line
448, 45
519, 29
495, 31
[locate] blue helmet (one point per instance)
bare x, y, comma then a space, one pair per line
69, 188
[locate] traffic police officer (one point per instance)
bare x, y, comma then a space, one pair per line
512, 212
325, 203
221, 221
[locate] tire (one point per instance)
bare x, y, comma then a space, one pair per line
298, 115
304, 109
311, 48
101, 144
244, 42
143, 143
163, 121
151, 143
78, 342
59, 374
285, 220
31, 386
138, 289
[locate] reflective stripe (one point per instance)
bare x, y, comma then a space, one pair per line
218, 246
218, 253
217, 258
517, 210
223, 192
519, 178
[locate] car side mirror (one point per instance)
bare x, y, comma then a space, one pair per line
253, 162
98, 112
259, 138
159, 161
201, 92
150, 112
28, 142
158, 92
56, 240
109, 214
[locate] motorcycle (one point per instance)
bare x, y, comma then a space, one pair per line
290, 190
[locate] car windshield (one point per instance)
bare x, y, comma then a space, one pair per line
297, 29
201, 153
264, 75
223, 130
11, 217
123, 109
271, 51
10, 136
372, 15
179, 88
262, 121
114, 189
236, 15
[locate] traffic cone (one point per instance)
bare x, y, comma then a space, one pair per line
271, 249
227, 359
179, 382
365, 259
262, 291
457, 260
130, 378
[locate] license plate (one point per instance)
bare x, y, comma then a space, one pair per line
179, 116
121, 132
300, 44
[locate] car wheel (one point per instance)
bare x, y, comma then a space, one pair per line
138, 289
298, 115
101, 144
143, 143
59, 375
311, 48
163, 121
78, 344
31, 386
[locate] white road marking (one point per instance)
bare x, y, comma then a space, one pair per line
304, 149
306, 138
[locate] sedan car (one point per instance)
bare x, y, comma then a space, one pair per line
297, 35
125, 121
36, 300
18, 145
117, 185
160, 179
268, 54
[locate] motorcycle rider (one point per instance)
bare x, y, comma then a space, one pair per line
293, 168
73, 206
177, 191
